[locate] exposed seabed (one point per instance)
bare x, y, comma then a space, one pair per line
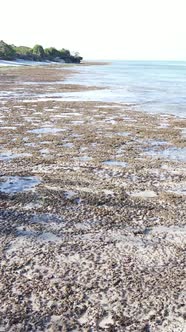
92, 212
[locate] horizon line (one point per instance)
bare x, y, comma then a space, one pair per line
142, 60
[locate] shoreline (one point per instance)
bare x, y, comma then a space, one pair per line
96, 241
29, 63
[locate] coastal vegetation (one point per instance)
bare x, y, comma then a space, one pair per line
37, 53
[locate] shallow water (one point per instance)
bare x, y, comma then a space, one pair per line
44, 151
178, 190
144, 194
173, 153
31, 144
78, 122
115, 163
16, 184
124, 134
46, 130
152, 86
8, 128
44, 236
8, 155
70, 194
68, 145
154, 142
183, 132
84, 158
46, 218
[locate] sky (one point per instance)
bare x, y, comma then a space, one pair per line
99, 29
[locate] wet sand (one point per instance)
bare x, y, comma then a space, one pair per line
92, 211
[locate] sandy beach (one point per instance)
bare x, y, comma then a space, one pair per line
92, 210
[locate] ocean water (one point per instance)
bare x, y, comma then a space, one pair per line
153, 86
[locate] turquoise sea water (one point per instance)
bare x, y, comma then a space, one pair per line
153, 86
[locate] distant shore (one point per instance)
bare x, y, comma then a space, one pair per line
37, 53
22, 62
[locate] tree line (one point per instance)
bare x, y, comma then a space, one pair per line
37, 53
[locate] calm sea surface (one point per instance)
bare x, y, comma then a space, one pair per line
149, 86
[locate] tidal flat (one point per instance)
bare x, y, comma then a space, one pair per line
92, 210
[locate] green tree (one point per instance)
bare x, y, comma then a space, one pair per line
77, 57
51, 53
38, 51
23, 52
65, 53
10, 52
6, 51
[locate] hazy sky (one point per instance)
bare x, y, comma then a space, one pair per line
99, 29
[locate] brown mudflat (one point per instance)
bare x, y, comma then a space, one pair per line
92, 218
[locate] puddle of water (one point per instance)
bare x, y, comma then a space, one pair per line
183, 132
153, 145
45, 236
8, 128
45, 168
36, 113
173, 234
174, 154
83, 148
77, 122
44, 151
42, 83
68, 145
154, 142
179, 189
25, 139
115, 163
49, 237
59, 116
94, 145
106, 321
10, 155
32, 206
70, 194
30, 144
77, 135
174, 170
45, 142
16, 184
86, 225
31, 119
120, 151
84, 158
108, 106
83, 319
168, 229
68, 114
108, 192
124, 134
46, 218
127, 118
46, 130
111, 121
144, 194
164, 125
